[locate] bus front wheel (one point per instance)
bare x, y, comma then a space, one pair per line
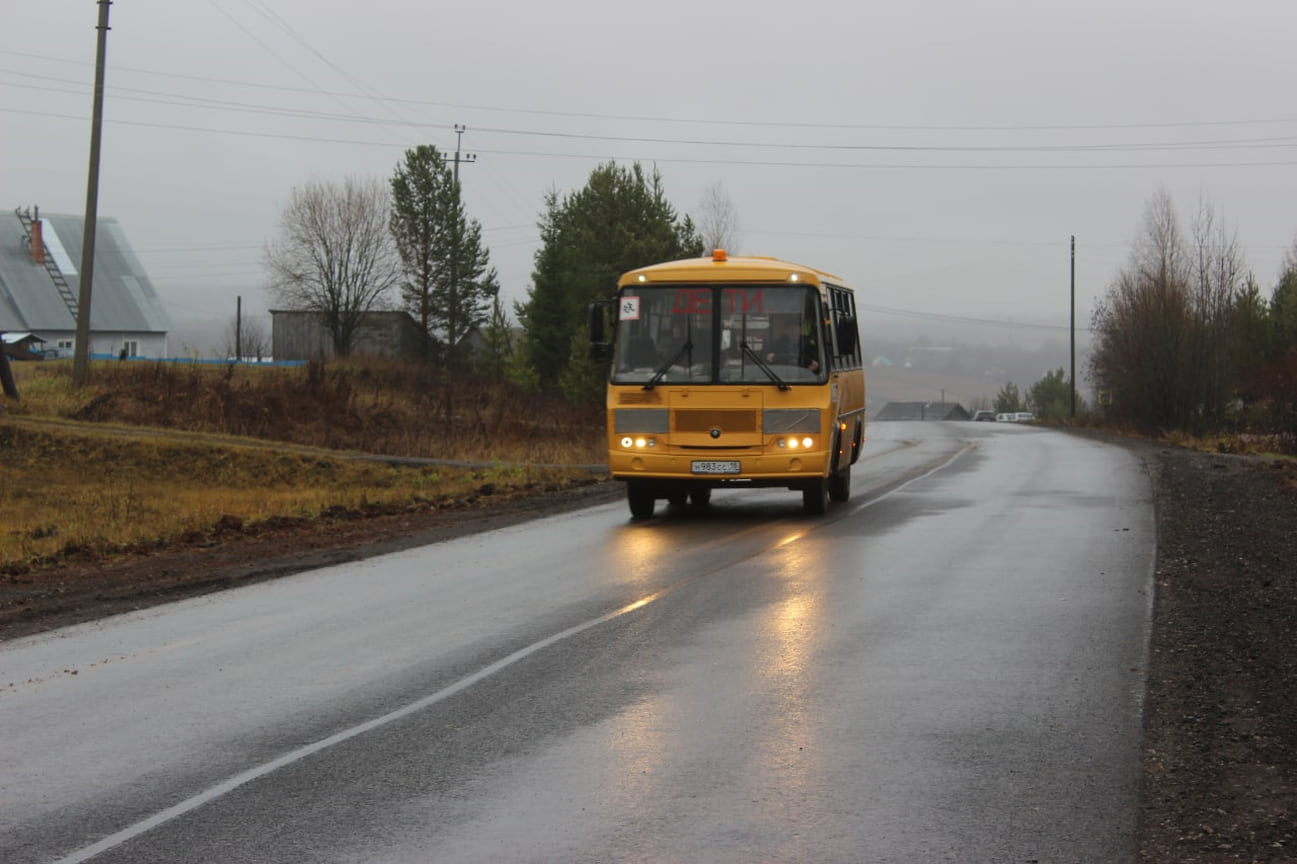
641, 500
815, 497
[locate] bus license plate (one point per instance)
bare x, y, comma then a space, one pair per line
730, 466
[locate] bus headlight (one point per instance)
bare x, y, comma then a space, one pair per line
796, 443
639, 443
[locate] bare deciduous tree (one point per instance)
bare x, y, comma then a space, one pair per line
1168, 341
334, 255
718, 223
1217, 286
1141, 326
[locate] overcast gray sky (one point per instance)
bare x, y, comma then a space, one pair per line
937, 155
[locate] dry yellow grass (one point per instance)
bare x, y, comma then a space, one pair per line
96, 470
64, 491
371, 405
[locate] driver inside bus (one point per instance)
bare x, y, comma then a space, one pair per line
788, 346
698, 337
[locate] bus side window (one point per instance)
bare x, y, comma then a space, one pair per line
846, 351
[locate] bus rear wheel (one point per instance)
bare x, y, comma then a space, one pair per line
641, 500
840, 484
840, 472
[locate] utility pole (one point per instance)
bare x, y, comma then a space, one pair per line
238, 329
466, 157
1073, 328
7, 385
81, 357
459, 206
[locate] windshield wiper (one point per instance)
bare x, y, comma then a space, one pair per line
662, 370
761, 364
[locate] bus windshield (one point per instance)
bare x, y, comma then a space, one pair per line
719, 334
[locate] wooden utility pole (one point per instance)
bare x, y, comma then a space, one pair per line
1073, 339
81, 356
7, 385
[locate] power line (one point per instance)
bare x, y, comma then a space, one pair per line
708, 121
367, 92
159, 250
962, 320
208, 130
925, 166
244, 107
688, 160
255, 38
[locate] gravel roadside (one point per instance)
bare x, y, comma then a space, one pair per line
1220, 745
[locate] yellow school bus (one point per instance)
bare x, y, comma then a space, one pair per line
731, 371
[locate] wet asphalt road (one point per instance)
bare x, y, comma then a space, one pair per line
947, 668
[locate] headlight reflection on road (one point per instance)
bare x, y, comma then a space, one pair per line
789, 677
636, 554
763, 681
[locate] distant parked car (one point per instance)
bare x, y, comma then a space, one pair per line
984, 414
1024, 417
1006, 418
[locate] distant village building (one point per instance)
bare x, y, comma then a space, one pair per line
299, 335
923, 411
40, 265
23, 346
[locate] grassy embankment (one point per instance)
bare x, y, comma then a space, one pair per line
149, 454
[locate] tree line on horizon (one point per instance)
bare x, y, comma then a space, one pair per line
346, 250
1184, 338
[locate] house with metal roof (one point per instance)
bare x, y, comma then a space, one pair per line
40, 263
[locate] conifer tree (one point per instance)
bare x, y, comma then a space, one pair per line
447, 282
618, 221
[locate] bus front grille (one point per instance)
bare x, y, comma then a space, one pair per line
704, 420
639, 397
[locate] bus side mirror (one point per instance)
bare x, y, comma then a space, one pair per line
597, 329
847, 335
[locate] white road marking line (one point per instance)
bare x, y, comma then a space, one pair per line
220, 789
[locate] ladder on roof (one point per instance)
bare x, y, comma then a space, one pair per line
51, 267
